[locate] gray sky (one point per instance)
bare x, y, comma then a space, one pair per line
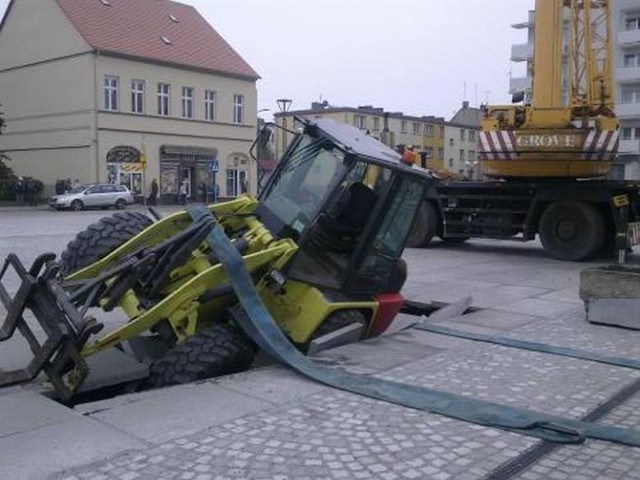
413, 56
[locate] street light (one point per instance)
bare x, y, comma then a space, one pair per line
283, 105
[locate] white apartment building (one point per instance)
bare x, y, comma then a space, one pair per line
626, 53
98, 89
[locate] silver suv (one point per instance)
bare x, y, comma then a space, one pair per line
97, 195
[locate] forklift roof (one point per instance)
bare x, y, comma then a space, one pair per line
355, 140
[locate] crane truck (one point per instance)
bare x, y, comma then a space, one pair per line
547, 161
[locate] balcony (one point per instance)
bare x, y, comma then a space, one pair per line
519, 84
629, 147
628, 111
629, 38
521, 52
628, 74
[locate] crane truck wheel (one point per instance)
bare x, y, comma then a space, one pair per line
213, 351
424, 226
571, 230
101, 238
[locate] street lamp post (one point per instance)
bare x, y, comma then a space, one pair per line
283, 105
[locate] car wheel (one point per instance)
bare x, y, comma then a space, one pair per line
121, 204
76, 205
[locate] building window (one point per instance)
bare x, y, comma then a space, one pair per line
187, 102
631, 94
428, 130
236, 182
137, 96
164, 95
626, 133
462, 135
471, 155
461, 155
632, 23
238, 109
376, 123
416, 128
472, 135
360, 121
441, 153
403, 127
111, 93
451, 142
451, 162
210, 105
632, 60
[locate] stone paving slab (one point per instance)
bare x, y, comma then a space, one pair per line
39, 436
157, 416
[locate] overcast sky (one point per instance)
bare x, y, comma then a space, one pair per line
413, 56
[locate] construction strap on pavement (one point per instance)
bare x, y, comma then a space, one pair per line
256, 321
526, 345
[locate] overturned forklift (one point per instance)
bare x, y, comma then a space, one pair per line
322, 245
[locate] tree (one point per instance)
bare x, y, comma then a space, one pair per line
5, 171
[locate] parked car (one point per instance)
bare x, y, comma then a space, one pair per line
96, 195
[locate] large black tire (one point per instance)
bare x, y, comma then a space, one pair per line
213, 351
571, 231
101, 238
424, 226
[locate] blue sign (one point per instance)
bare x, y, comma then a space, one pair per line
214, 166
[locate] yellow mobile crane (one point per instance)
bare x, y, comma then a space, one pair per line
572, 137
546, 160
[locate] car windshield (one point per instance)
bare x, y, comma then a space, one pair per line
310, 173
79, 189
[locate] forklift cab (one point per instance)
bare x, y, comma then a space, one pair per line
348, 201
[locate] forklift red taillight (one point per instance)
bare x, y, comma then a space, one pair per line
389, 304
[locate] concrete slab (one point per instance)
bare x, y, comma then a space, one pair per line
160, 415
494, 320
39, 436
274, 384
370, 357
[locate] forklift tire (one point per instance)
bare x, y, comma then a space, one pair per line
213, 351
571, 231
101, 238
424, 226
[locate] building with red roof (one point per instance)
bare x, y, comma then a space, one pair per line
126, 91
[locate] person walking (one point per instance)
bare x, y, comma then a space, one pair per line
183, 192
153, 194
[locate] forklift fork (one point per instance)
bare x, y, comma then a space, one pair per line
64, 327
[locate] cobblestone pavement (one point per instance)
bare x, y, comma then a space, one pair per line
322, 433
337, 435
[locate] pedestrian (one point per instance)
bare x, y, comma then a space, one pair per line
67, 185
20, 190
76, 184
183, 192
153, 194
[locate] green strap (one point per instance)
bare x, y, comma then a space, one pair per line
533, 346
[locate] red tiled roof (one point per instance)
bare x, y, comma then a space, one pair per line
135, 27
